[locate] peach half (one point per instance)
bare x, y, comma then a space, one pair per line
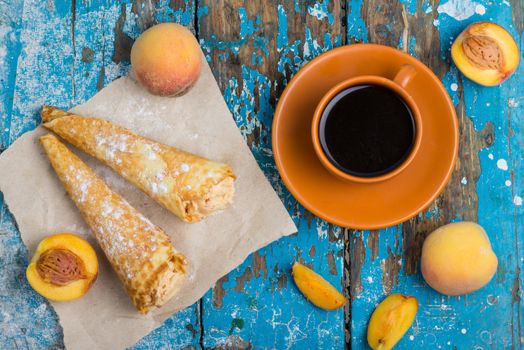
63, 267
458, 259
485, 53
166, 59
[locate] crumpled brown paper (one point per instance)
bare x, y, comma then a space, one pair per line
198, 122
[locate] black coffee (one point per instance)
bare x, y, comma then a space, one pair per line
367, 130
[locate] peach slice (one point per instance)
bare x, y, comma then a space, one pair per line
63, 267
391, 320
485, 53
316, 289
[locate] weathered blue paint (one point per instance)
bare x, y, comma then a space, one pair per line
10, 23
26, 319
44, 57
260, 295
356, 28
41, 75
489, 318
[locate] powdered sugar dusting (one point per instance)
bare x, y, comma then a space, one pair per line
126, 236
162, 188
184, 168
107, 208
112, 145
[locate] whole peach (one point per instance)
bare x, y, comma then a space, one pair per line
166, 59
457, 258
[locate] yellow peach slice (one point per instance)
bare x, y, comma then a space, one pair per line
485, 53
63, 267
391, 320
316, 289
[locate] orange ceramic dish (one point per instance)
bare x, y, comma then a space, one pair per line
363, 205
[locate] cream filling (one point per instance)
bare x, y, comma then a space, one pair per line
169, 282
218, 197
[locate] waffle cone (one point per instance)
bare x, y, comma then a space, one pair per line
190, 186
140, 253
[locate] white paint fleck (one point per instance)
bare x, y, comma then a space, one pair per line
488, 104
6, 129
502, 164
411, 338
463, 331
517, 200
317, 11
369, 279
507, 183
464, 181
458, 9
436, 22
184, 168
306, 50
513, 103
490, 156
429, 9
322, 229
454, 87
480, 9
40, 310
485, 336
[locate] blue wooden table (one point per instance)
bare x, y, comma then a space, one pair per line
59, 52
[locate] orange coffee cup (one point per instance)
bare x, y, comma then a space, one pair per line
397, 85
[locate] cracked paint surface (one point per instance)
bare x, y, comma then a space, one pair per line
49, 55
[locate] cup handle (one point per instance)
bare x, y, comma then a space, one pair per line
404, 75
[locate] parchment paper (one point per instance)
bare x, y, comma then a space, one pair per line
199, 122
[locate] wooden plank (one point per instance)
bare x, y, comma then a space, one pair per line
62, 53
51, 53
387, 261
101, 56
254, 48
36, 37
10, 23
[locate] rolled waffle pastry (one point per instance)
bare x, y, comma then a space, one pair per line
190, 186
141, 254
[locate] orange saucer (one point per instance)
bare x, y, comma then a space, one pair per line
358, 205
